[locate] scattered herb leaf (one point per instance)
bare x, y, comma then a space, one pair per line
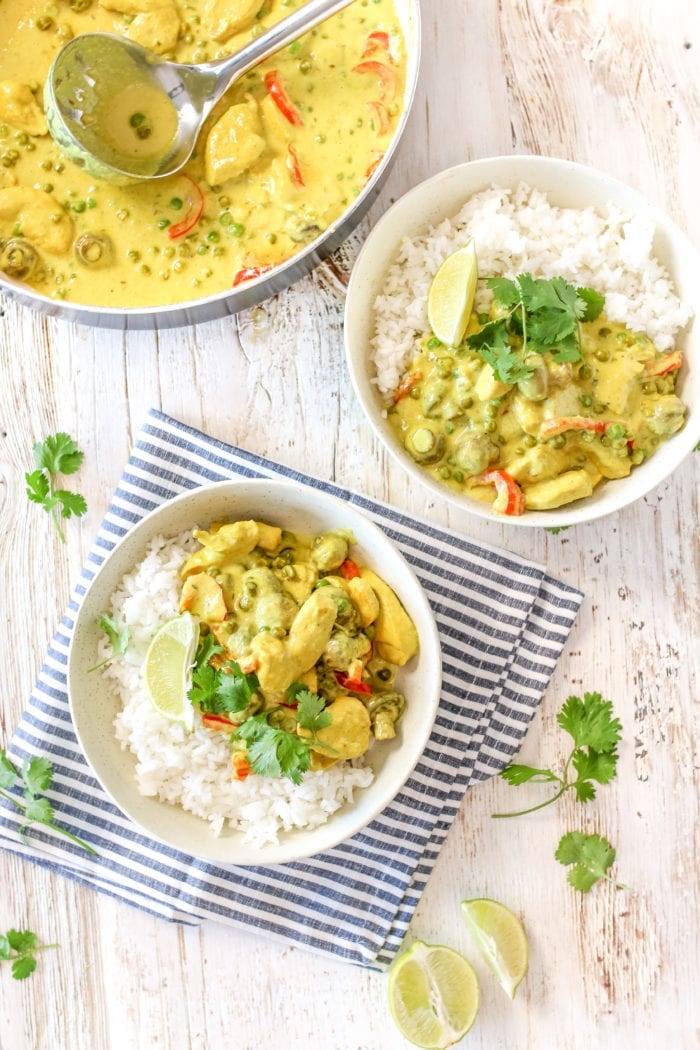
58, 454
591, 856
543, 316
34, 777
20, 947
223, 691
593, 758
118, 639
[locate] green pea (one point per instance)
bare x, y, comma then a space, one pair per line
433, 343
177, 203
213, 235
162, 224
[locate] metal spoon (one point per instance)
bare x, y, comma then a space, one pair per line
88, 74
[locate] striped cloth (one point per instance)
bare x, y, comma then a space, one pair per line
503, 624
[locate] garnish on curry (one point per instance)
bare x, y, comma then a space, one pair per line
299, 647
282, 155
542, 399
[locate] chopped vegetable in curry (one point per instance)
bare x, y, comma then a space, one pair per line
299, 647
281, 156
542, 400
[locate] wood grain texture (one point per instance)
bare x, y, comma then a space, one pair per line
612, 83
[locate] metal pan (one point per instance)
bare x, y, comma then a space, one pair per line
229, 302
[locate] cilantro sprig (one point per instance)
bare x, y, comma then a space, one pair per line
542, 316
58, 454
591, 856
220, 691
118, 638
275, 752
593, 758
34, 776
20, 948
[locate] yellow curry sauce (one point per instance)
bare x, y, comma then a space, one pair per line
283, 154
549, 439
298, 613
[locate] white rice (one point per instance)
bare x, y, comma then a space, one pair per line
193, 770
519, 231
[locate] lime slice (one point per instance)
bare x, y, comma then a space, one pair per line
433, 995
451, 295
167, 668
501, 939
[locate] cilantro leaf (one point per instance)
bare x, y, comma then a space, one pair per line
39, 810
57, 454
118, 639
273, 752
593, 758
235, 689
505, 291
37, 486
8, 773
202, 692
590, 855
20, 947
206, 648
594, 303
310, 712
37, 775
589, 721
516, 774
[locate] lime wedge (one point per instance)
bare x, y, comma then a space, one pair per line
433, 995
451, 295
167, 668
500, 937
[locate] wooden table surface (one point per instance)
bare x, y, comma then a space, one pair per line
611, 83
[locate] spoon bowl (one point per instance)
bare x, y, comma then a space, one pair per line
122, 113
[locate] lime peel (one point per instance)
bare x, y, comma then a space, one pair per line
500, 937
451, 295
167, 668
433, 995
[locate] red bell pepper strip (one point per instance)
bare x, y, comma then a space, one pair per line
376, 41
248, 273
553, 427
294, 167
240, 765
406, 385
281, 99
371, 168
353, 685
210, 721
510, 498
387, 78
661, 366
349, 569
195, 201
381, 117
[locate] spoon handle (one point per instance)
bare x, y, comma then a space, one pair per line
289, 29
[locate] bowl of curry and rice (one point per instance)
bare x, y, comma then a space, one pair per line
519, 331
254, 673
287, 164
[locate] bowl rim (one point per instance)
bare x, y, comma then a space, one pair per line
412, 208
129, 550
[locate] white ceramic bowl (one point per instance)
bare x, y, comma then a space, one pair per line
94, 707
567, 185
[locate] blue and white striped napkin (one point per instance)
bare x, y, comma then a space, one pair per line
503, 623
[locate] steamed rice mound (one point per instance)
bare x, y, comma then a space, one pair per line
193, 770
519, 231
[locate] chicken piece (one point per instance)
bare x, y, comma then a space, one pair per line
203, 597
234, 143
616, 381
365, 599
156, 23
395, 634
607, 462
302, 583
311, 629
41, 219
487, 386
537, 463
222, 19
555, 492
348, 734
225, 545
276, 668
20, 108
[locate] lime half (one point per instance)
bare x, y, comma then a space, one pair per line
500, 937
451, 295
433, 995
167, 668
